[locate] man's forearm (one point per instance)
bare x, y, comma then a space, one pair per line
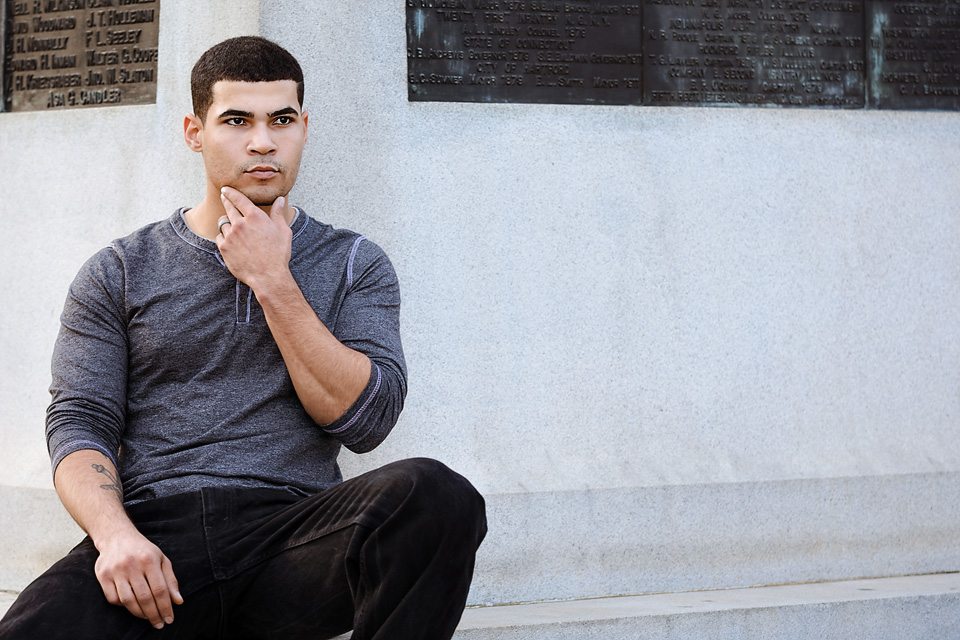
328, 376
132, 571
256, 246
90, 489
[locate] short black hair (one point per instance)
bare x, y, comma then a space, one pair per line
242, 59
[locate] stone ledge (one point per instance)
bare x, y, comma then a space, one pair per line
677, 538
581, 544
901, 608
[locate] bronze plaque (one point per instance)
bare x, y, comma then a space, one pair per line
80, 53
569, 51
4, 54
914, 54
802, 53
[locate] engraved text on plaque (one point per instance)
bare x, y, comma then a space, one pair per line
80, 53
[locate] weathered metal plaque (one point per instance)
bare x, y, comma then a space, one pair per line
803, 53
547, 51
80, 53
914, 54
4, 55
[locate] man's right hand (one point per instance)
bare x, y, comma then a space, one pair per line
131, 570
134, 573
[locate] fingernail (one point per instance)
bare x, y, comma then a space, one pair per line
283, 201
158, 626
168, 619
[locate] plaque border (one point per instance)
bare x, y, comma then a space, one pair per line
3, 54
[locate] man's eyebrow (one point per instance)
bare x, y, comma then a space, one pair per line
286, 111
233, 113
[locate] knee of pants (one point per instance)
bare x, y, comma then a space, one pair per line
443, 496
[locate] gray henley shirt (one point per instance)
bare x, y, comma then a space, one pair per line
165, 364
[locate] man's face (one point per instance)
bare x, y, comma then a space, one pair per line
252, 138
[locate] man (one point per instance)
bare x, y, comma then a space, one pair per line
207, 371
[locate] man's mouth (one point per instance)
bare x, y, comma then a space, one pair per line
262, 171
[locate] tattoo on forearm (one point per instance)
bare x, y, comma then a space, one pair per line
113, 485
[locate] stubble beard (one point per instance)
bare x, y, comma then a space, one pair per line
260, 197
265, 203
264, 196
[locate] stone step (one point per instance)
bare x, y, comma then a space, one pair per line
580, 544
922, 607
904, 608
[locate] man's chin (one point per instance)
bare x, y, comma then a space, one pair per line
261, 197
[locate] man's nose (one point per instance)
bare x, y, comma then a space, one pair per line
261, 140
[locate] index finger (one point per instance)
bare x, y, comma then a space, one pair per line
236, 199
233, 214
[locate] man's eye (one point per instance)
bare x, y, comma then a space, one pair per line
234, 122
283, 120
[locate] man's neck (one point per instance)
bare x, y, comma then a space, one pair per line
202, 219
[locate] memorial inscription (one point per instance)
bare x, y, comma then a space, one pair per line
80, 53
884, 54
914, 54
574, 51
754, 52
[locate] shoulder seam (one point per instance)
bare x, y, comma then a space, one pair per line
350, 260
114, 247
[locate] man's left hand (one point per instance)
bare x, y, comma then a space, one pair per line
255, 245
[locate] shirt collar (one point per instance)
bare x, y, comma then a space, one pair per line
179, 224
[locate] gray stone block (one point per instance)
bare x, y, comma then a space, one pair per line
563, 545
907, 608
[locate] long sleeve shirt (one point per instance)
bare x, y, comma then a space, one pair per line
165, 364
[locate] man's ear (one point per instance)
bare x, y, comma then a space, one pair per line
193, 132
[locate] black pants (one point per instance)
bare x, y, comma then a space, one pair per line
389, 554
